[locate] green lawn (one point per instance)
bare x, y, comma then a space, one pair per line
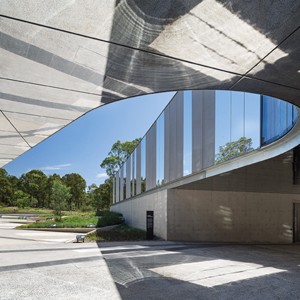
67, 222
4, 209
78, 220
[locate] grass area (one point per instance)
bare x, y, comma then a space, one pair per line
121, 233
67, 222
4, 209
78, 220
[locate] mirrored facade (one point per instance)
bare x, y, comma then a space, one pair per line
124, 180
187, 133
278, 117
160, 150
133, 173
143, 165
199, 129
237, 120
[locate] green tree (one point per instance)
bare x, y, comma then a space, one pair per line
24, 200
92, 196
50, 182
6, 188
60, 196
77, 187
105, 194
234, 149
112, 163
118, 155
34, 183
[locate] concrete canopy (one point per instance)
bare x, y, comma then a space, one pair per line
60, 59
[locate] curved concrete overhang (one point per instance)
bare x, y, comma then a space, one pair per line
61, 59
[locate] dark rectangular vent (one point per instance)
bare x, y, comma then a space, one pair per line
296, 166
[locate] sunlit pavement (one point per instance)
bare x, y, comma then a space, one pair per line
205, 271
41, 265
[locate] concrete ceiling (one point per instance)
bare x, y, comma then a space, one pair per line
60, 59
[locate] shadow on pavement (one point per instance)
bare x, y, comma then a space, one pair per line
204, 271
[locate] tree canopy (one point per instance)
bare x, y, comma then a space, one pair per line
34, 183
60, 196
234, 149
6, 190
77, 186
36, 189
117, 156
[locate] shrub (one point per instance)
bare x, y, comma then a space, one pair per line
121, 233
109, 218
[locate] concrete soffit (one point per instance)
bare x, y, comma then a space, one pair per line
61, 59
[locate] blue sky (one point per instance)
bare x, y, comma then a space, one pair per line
81, 146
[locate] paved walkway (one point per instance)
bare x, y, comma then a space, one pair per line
40, 265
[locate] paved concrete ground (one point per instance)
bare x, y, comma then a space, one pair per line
40, 265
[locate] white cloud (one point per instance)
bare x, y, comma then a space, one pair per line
101, 175
56, 167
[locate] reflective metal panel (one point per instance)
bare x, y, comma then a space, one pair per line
160, 150
187, 133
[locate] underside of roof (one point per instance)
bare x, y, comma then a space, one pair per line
60, 59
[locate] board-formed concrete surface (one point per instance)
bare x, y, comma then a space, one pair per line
41, 265
61, 59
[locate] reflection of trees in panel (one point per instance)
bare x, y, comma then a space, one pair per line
160, 182
143, 184
124, 188
118, 155
133, 187
234, 149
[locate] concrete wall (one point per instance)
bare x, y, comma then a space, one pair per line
195, 215
250, 204
253, 204
134, 211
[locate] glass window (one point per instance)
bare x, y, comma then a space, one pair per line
295, 115
138, 169
252, 119
187, 133
237, 124
143, 165
121, 185
124, 180
114, 189
160, 150
222, 119
237, 119
278, 117
117, 199
133, 173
